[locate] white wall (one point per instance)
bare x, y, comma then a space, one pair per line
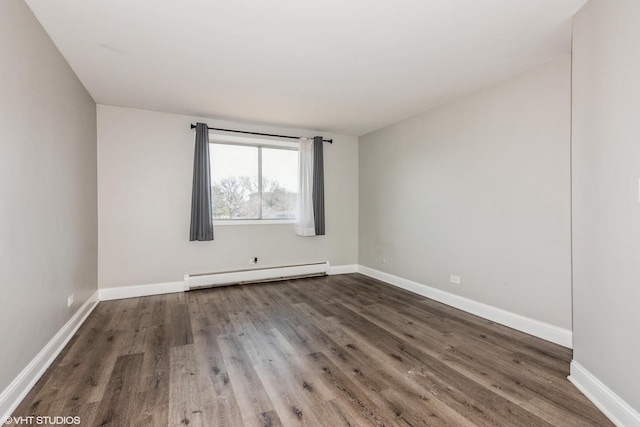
48, 208
145, 164
606, 209
478, 188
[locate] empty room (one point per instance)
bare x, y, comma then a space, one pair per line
265, 213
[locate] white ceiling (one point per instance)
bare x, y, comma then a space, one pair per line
345, 66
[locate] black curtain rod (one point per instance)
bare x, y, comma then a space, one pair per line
330, 141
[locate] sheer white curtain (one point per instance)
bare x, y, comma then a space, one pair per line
305, 222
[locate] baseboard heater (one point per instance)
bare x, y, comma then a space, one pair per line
240, 277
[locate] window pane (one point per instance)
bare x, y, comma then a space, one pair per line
234, 181
279, 183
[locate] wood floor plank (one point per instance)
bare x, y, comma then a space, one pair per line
185, 406
248, 389
180, 325
348, 393
120, 406
210, 313
282, 392
86, 412
264, 419
343, 350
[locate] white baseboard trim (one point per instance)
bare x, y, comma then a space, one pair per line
555, 334
24, 382
343, 269
107, 294
618, 411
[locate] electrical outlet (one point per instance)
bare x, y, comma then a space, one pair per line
384, 260
70, 300
454, 279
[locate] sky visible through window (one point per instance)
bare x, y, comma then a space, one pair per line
277, 165
233, 160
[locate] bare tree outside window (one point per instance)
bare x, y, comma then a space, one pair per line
236, 183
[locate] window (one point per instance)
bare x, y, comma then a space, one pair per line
253, 182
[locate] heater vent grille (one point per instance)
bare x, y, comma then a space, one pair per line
268, 274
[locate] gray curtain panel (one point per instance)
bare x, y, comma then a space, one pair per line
201, 211
318, 185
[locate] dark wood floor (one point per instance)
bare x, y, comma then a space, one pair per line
330, 351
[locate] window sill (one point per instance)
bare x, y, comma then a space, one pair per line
225, 222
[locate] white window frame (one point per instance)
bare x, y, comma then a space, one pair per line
253, 142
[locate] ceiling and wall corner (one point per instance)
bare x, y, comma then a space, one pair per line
345, 67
